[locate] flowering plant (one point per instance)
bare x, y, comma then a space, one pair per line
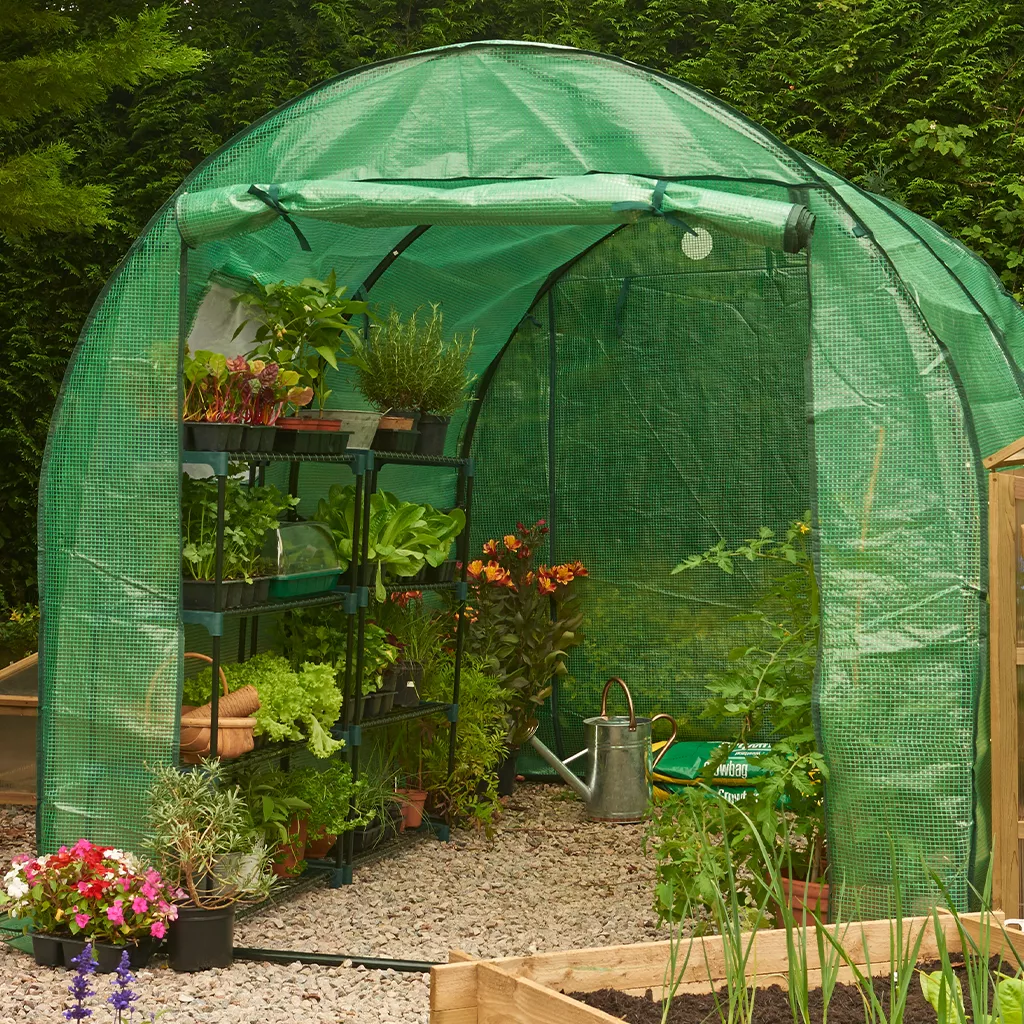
524, 621
97, 892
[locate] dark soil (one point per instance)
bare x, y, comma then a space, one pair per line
771, 1005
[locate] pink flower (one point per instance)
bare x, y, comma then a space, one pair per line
82, 887
81, 847
173, 914
153, 877
139, 905
81, 920
125, 884
116, 912
150, 891
164, 906
158, 929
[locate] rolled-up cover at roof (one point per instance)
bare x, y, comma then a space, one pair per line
220, 213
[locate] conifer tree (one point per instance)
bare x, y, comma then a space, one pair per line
49, 67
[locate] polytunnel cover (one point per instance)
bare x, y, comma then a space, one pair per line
661, 363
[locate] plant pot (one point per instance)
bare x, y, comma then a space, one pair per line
408, 675
296, 436
302, 584
395, 821
257, 592
217, 437
320, 847
48, 950
201, 939
387, 702
443, 573
412, 806
108, 957
290, 855
507, 773
360, 425
395, 441
198, 595
433, 431
232, 872
258, 438
371, 705
366, 838
399, 419
804, 896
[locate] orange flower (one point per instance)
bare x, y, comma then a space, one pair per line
491, 549
529, 578
471, 615
494, 573
403, 599
562, 574
578, 569
512, 542
546, 585
475, 569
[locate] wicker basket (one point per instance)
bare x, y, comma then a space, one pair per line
234, 722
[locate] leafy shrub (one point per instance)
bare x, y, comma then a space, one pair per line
19, 633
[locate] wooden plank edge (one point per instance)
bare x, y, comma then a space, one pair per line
1005, 454
459, 956
507, 999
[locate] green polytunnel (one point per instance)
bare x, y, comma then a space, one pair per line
685, 330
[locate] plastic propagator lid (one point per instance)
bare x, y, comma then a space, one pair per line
300, 548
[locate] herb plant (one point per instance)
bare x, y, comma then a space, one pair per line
329, 792
274, 802
302, 327
197, 821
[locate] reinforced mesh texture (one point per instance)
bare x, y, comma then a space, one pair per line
679, 415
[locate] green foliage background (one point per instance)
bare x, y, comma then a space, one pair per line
923, 101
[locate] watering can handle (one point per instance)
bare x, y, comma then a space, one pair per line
629, 700
671, 739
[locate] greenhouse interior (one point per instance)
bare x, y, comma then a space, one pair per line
703, 412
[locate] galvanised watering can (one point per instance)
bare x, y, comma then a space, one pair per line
619, 762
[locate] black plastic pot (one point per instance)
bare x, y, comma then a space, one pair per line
298, 442
260, 590
507, 773
198, 594
387, 702
443, 573
371, 706
108, 957
433, 431
394, 823
48, 950
367, 838
217, 437
201, 939
395, 440
258, 439
335, 442
408, 677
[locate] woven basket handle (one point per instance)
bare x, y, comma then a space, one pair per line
209, 661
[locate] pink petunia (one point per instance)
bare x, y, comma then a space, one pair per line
172, 914
150, 891
164, 906
139, 905
116, 912
81, 920
124, 883
158, 929
81, 847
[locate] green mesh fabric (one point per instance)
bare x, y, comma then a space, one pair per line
704, 385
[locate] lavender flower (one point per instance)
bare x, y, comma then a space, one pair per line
123, 996
79, 988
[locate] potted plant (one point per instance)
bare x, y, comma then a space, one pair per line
416, 635
303, 326
446, 388
204, 844
264, 391
393, 367
281, 814
767, 685
249, 514
525, 621
89, 894
329, 792
374, 799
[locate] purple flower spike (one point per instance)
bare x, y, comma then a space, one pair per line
79, 988
123, 996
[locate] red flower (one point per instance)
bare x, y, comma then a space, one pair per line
546, 585
511, 542
491, 549
475, 569
562, 574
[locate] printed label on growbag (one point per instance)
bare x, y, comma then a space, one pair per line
686, 760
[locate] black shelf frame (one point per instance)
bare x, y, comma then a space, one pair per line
353, 594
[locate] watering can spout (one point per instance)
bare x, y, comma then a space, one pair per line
564, 770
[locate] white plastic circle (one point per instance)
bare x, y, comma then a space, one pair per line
697, 245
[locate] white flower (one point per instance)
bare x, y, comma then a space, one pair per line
17, 889
114, 855
43, 860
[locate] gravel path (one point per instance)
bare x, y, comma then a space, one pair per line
548, 879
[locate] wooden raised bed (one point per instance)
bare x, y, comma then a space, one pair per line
528, 990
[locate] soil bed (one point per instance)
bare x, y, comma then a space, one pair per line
771, 1005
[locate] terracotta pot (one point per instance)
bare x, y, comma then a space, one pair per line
412, 806
319, 846
290, 855
802, 896
295, 423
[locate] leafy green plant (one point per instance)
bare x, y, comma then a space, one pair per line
329, 792
378, 775
294, 705
19, 633
198, 823
249, 514
302, 327
402, 536
446, 390
767, 687
412, 628
274, 802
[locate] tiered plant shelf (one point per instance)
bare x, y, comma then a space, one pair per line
353, 595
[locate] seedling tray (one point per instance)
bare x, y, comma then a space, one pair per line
303, 584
